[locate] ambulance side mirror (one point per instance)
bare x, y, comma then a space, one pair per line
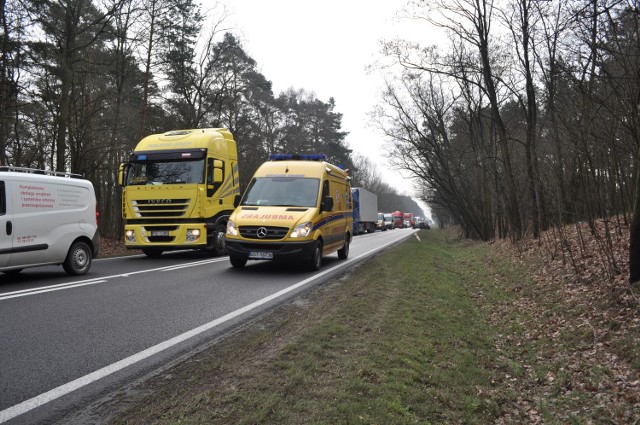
326, 204
236, 201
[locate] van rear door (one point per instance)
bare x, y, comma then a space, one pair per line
6, 226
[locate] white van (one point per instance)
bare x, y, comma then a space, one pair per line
46, 217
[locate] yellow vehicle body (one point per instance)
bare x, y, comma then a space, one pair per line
293, 209
178, 191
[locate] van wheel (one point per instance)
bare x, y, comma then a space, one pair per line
152, 252
219, 246
316, 258
238, 262
344, 252
78, 259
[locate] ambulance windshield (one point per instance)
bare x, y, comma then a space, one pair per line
166, 172
282, 191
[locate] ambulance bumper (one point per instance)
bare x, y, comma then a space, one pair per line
271, 251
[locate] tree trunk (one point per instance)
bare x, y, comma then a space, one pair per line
634, 234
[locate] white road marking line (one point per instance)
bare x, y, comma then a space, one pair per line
85, 380
69, 285
43, 290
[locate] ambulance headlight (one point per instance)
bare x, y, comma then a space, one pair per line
130, 235
301, 230
193, 235
231, 229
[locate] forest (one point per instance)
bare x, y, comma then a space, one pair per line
526, 119
84, 80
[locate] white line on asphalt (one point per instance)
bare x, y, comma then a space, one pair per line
69, 285
85, 380
51, 289
182, 266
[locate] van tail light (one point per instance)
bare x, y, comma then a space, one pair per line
97, 214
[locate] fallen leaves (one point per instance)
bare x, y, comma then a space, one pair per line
581, 318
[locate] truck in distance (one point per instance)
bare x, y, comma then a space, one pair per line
398, 219
365, 210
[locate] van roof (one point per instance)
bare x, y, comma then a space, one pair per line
6, 168
302, 168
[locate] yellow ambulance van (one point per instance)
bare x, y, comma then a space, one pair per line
296, 207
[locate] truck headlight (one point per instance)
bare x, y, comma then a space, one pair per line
193, 235
231, 229
301, 230
130, 235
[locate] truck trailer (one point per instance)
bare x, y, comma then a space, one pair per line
365, 210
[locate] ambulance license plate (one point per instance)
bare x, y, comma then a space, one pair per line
159, 233
260, 255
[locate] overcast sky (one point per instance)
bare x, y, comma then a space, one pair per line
325, 47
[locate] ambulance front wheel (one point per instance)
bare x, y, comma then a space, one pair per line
316, 257
238, 262
78, 259
344, 252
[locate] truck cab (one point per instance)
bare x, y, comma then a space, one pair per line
179, 190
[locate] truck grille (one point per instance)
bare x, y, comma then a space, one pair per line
265, 232
156, 208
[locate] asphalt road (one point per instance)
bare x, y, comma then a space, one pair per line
65, 341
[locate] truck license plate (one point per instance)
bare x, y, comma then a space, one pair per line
159, 233
261, 255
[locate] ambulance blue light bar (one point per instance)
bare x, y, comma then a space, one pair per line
298, 157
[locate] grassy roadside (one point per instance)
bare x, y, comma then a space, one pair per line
427, 332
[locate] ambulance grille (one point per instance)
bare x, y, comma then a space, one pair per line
265, 232
157, 208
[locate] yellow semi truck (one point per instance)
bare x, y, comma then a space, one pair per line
178, 191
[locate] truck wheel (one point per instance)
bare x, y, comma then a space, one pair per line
152, 252
343, 253
316, 258
238, 262
219, 246
78, 259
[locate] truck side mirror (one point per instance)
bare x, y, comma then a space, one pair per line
326, 204
121, 172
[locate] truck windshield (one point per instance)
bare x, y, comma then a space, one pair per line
166, 172
282, 191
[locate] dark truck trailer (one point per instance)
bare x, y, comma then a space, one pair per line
365, 210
